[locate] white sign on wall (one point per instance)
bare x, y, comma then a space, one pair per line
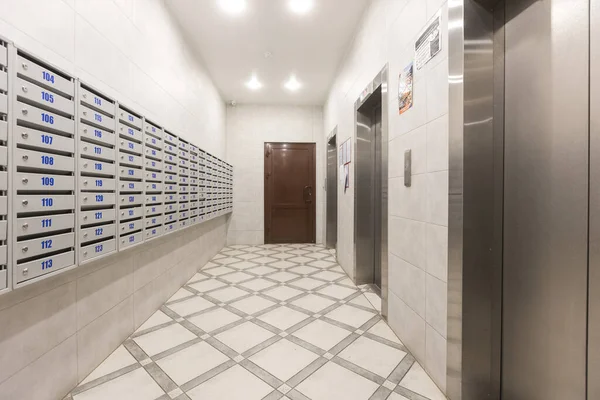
429, 42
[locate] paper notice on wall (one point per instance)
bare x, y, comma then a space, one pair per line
341, 175
429, 42
405, 89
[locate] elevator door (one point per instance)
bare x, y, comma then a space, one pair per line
332, 177
369, 192
545, 200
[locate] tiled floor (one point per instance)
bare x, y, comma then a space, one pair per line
266, 322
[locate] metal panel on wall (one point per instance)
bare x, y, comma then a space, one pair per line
184, 181
193, 184
96, 142
154, 199
5, 133
544, 327
131, 178
43, 172
171, 181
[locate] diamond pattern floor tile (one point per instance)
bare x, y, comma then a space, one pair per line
263, 322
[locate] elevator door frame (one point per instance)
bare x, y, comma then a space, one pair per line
331, 188
379, 84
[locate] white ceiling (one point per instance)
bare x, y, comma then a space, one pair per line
233, 46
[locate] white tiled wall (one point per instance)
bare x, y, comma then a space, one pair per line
54, 333
248, 128
130, 49
418, 216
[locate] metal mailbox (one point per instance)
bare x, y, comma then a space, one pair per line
96, 250
44, 224
39, 182
130, 240
126, 214
96, 183
48, 244
97, 232
96, 167
97, 216
97, 199
130, 146
42, 266
97, 151
96, 135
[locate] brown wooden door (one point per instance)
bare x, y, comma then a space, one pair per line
290, 192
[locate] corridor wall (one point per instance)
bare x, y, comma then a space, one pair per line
417, 215
61, 328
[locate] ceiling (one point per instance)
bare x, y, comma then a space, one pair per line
233, 47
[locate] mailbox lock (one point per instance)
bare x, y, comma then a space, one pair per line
24, 111
85, 235
25, 66
85, 218
84, 95
25, 158
85, 198
25, 249
85, 165
25, 271
85, 113
25, 202
84, 183
85, 148
24, 135
25, 225
24, 88
85, 253
25, 181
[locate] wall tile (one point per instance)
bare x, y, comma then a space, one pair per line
55, 375
408, 240
412, 200
101, 290
437, 144
416, 141
408, 325
437, 300
437, 195
435, 357
437, 251
408, 283
35, 326
101, 337
437, 91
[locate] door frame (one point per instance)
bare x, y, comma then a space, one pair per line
379, 81
267, 200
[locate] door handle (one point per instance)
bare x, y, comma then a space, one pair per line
307, 194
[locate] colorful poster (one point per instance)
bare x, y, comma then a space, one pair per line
405, 89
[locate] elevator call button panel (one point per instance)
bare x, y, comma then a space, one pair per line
83, 176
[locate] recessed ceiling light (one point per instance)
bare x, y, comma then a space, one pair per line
292, 84
301, 6
253, 83
233, 6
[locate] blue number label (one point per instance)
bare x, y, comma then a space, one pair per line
47, 244
46, 139
47, 181
47, 202
97, 150
47, 264
99, 248
97, 133
47, 76
97, 101
98, 215
98, 117
47, 118
99, 197
98, 182
46, 223
98, 166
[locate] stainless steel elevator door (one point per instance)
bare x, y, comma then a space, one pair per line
369, 191
332, 186
545, 200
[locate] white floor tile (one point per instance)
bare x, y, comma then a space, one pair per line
350, 315
283, 317
243, 337
264, 260
207, 285
312, 302
334, 382
300, 260
381, 329
418, 381
234, 384
135, 385
197, 277
282, 264
232, 252
299, 252
191, 362
283, 293
374, 299
396, 396
227, 260
282, 256
236, 277
218, 271
120, 358
373, 356
304, 270
321, 263
283, 359
328, 276
180, 294
214, 319
258, 284
190, 306
283, 276
228, 294
262, 270
316, 256
248, 256
336, 291
361, 301
252, 304
244, 264
307, 283
164, 339
158, 318
322, 334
